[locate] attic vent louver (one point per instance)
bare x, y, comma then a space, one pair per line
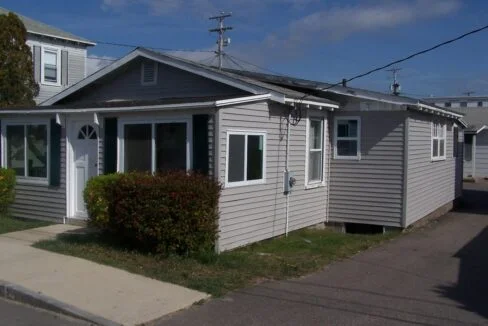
149, 73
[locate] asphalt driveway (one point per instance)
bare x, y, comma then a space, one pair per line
434, 276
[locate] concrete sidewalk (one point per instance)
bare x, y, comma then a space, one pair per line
110, 293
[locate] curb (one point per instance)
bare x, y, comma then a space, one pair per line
20, 294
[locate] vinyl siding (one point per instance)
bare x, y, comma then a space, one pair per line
370, 190
257, 212
125, 84
42, 201
482, 154
76, 65
430, 185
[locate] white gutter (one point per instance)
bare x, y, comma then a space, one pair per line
241, 100
439, 110
314, 103
481, 129
115, 109
180, 106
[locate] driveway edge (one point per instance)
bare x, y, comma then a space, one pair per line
20, 294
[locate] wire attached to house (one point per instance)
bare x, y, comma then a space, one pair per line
151, 47
411, 56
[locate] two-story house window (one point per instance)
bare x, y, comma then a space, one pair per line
51, 66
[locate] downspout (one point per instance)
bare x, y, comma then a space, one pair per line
288, 133
329, 161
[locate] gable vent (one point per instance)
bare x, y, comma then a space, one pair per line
149, 73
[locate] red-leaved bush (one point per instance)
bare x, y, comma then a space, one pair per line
172, 212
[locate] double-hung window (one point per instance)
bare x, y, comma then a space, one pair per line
347, 138
155, 147
51, 66
315, 152
438, 141
246, 158
26, 150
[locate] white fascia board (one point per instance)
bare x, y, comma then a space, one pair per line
441, 111
242, 100
481, 129
63, 38
313, 103
180, 106
116, 109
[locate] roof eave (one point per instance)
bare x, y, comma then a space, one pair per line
88, 43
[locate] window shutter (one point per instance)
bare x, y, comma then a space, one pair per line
55, 155
110, 146
37, 63
64, 68
200, 143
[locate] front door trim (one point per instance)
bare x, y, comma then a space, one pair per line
71, 135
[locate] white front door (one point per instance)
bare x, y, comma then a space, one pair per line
85, 162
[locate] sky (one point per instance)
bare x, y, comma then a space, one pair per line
314, 39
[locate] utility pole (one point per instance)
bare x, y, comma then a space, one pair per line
395, 87
221, 29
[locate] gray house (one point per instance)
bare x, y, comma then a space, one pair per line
352, 159
394, 159
59, 57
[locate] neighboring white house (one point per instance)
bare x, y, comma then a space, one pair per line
59, 57
460, 103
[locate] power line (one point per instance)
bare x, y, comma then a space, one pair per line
150, 47
101, 59
404, 59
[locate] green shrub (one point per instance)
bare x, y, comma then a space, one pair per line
7, 189
172, 212
98, 197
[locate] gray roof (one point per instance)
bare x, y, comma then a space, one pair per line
249, 80
476, 118
336, 89
251, 85
38, 28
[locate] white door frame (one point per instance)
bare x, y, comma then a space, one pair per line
71, 134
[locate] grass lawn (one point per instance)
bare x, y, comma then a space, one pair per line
10, 224
302, 252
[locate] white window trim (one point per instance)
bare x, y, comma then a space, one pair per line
121, 140
438, 158
155, 67
357, 157
25, 179
315, 183
246, 182
58, 65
